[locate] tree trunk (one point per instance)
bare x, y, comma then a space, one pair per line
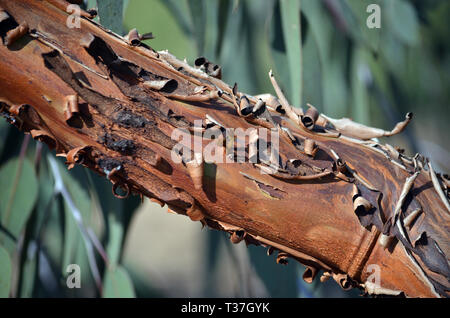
331, 198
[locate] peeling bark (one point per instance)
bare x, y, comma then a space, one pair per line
327, 200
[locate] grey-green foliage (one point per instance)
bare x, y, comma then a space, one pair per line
110, 13
5, 273
17, 198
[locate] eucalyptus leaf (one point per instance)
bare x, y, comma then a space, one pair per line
28, 273
290, 16
197, 9
361, 78
111, 14
178, 8
356, 15
402, 21
332, 48
312, 75
117, 284
211, 26
18, 196
5, 273
280, 65
114, 246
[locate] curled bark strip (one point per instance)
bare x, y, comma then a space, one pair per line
350, 128
386, 238
195, 170
392, 152
310, 117
355, 192
44, 137
438, 188
388, 151
77, 156
209, 68
309, 274
237, 236
259, 107
325, 276
62, 5
282, 258
321, 121
228, 227
3, 15
110, 174
343, 280
122, 185
16, 109
71, 105
171, 210
360, 179
270, 250
210, 121
196, 98
361, 204
25, 112
375, 289
409, 220
245, 108
343, 170
284, 102
310, 147
155, 200
133, 37
16, 33
159, 85
272, 102
195, 213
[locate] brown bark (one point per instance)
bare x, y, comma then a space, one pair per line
331, 202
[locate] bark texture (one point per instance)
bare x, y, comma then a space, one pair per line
333, 198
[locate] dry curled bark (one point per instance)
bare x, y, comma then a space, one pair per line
333, 199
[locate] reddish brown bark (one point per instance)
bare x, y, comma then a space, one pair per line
122, 127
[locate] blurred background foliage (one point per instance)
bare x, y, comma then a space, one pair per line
320, 50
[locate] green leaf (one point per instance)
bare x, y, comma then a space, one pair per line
332, 56
236, 61
355, 14
198, 18
111, 14
17, 198
402, 21
114, 247
28, 273
5, 273
117, 284
178, 8
312, 75
211, 26
360, 79
290, 16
